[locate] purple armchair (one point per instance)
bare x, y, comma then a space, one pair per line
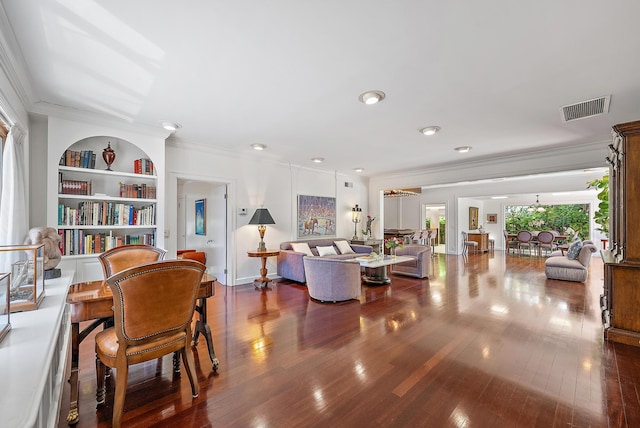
419, 265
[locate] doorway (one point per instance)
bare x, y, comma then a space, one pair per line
211, 236
435, 217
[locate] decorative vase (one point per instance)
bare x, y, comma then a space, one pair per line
109, 156
392, 251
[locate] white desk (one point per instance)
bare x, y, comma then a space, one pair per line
33, 358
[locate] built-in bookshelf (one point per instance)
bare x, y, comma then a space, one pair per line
134, 178
99, 209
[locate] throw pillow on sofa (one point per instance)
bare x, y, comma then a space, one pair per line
344, 247
302, 247
574, 250
326, 251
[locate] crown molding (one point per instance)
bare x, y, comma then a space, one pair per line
63, 112
533, 162
12, 62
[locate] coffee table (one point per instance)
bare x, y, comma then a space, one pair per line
375, 269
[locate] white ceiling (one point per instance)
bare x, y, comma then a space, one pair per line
493, 74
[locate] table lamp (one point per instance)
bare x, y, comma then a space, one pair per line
356, 212
262, 217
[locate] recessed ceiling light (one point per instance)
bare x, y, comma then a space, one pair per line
358, 169
430, 130
170, 126
499, 197
463, 149
258, 146
318, 160
371, 97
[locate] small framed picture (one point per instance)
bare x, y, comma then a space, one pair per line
492, 218
201, 217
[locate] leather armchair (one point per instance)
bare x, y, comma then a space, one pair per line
419, 266
150, 322
126, 256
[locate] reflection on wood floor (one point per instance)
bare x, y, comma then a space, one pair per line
488, 341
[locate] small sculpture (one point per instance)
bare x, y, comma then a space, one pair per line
369, 221
109, 156
51, 254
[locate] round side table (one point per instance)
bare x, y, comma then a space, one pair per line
263, 281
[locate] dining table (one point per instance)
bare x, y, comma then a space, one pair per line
92, 302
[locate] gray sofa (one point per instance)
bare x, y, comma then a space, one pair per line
563, 268
291, 265
332, 280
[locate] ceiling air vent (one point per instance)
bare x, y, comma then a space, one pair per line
584, 109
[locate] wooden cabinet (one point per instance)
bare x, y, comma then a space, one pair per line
481, 238
621, 298
376, 244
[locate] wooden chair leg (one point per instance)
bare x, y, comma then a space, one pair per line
189, 365
101, 374
121, 391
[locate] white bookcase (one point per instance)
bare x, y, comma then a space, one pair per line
108, 214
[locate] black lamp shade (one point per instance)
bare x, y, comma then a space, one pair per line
261, 216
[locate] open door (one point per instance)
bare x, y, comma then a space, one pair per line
208, 202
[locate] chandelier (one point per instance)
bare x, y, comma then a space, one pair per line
398, 193
536, 207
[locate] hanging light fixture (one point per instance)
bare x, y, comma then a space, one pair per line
536, 207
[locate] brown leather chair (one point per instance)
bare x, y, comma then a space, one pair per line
150, 321
199, 256
120, 258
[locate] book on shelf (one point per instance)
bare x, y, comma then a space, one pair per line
141, 191
143, 166
78, 159
105, 213
78, 242
74, 187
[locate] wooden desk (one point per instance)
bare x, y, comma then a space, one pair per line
263, 271
482, 238
93, 301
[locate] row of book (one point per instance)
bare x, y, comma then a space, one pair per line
87, 159
105, 213
75, 187
79, 159
143, 166
75, 242
137, 191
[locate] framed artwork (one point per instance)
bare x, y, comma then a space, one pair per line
492, 218
201, 217
316, 216
473, 218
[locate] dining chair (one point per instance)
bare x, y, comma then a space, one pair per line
525, 240
120, 258
199, 256
153, 309
546, 241
124, 257
466, 244
509, 243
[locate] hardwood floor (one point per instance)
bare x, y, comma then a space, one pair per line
486, 342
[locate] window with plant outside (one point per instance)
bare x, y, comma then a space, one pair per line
562, 218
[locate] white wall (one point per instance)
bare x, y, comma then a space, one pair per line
257, 181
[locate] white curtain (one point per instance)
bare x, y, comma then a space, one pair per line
13, 201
